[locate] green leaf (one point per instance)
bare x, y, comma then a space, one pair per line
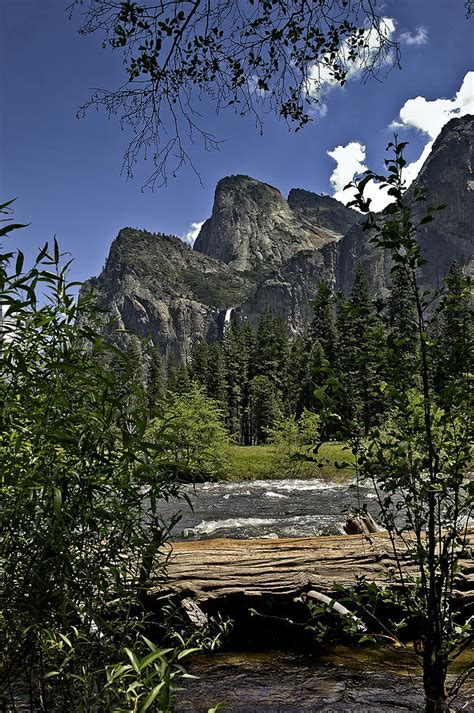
151, 696
19, 262
134, 660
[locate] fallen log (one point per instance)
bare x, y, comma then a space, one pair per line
214, 569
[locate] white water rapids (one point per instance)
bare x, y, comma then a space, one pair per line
267, 508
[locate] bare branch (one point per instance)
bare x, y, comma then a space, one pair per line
272, 56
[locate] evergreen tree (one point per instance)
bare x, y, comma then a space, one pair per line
402, 335
265, 408
315, 374
216, 385
237, 364
360, 355
199, 363
323, 327
297, 387
128, 365
155, 384
179, 380
455, 334
271, 349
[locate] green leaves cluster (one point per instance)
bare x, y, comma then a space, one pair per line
80, 531
293, 439
190, 437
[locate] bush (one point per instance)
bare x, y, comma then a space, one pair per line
292, 440
190, 437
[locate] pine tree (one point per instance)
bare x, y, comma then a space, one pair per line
265, 408
216, 384
155, 384
455, 334
360, 355
402, 334
323, 327
237, 358
128, 367
179, 379
271, 349
297, 388
199, 363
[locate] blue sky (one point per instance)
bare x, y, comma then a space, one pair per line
65, 171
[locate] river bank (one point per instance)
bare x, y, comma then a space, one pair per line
261, 463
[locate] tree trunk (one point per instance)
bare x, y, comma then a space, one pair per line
434, 681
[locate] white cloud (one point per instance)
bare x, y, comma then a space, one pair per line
425, 115
350, 162
320, 77
430, 116
419, 38
193, 232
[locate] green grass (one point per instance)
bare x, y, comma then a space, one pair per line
256, 463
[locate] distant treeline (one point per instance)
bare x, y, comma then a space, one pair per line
354, 344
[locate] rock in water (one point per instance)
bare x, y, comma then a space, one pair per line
362, 524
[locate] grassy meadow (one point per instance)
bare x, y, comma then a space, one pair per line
260, 463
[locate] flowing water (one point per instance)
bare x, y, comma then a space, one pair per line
339, 678
268, 508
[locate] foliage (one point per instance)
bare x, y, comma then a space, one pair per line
292, 440
453, 365
155, 380
271, 349
80, 529
190, 437
360, 356
323, 328
264, 409
418, 462
252, 56
238, 349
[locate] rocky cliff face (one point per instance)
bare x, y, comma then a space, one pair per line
289, 290
322, 211
259, 251
155, 285
448, 174
253, 227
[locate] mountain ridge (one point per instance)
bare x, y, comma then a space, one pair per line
260, 251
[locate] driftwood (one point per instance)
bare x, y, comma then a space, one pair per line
331, 604
214, 569
194, 613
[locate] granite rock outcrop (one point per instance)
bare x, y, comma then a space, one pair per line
259, 251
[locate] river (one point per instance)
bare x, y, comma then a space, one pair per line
338, 678
268, 508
